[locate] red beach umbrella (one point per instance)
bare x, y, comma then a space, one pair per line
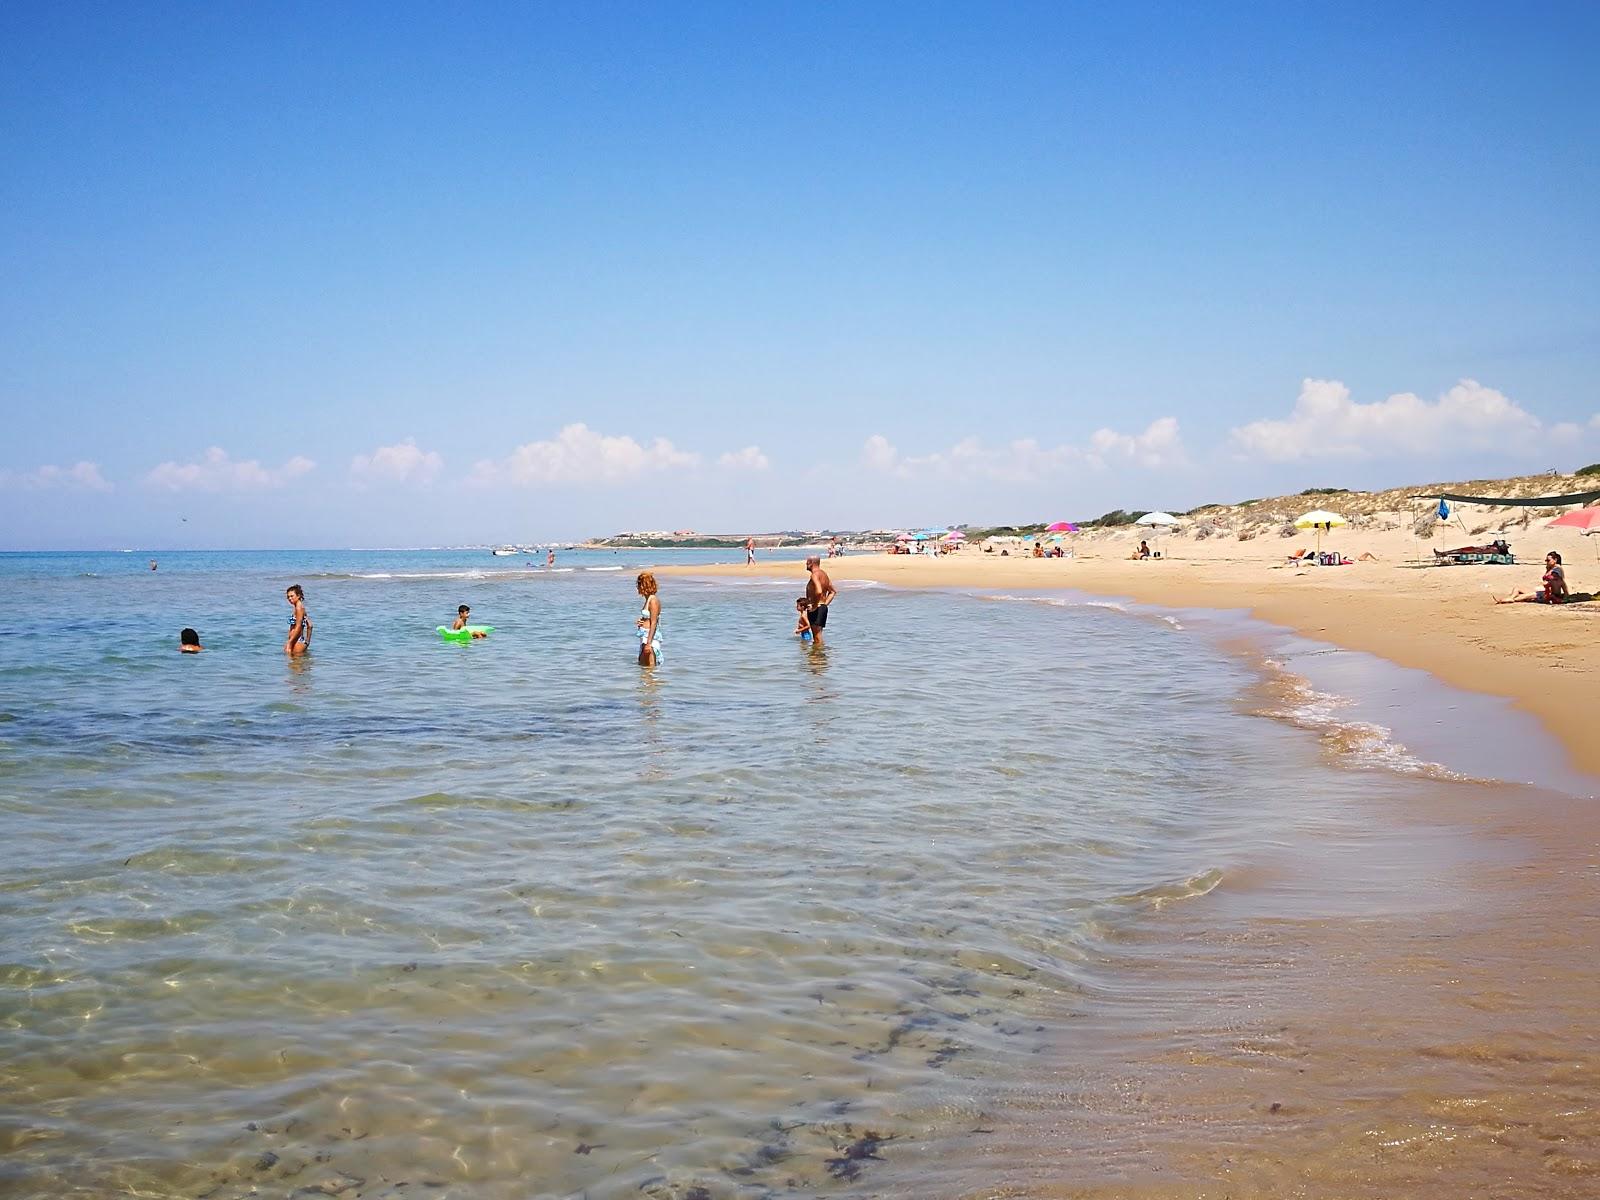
1586, 520
1061, 527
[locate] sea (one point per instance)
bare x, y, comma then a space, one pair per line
519, 918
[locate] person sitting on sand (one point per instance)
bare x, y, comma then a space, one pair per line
1554, 590
299, 640
802, 625
189, 642
1143, 551
463, 615
1038, 550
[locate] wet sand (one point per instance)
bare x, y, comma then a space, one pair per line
1400, 1002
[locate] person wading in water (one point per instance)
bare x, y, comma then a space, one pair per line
819, 594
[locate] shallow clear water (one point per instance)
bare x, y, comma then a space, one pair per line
518, 918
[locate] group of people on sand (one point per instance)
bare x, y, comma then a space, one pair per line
811, 607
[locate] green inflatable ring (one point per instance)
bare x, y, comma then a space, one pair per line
463, 635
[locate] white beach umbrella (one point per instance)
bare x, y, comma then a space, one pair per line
1157, 520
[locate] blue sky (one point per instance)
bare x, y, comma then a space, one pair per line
406, 275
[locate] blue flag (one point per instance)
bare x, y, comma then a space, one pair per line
1444, 511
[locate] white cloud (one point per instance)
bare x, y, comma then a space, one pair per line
1025, 459
1325, 421
403, 462
1158, 446
580, 455
81, 476
748, 459
1566, 431
217, 472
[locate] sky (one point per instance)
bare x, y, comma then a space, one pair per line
391, 274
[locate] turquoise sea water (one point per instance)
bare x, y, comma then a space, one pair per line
519, 918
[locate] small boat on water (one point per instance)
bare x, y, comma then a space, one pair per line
503, 551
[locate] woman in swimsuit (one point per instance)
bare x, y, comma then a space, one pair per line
1554, 590
299, 640
649, 620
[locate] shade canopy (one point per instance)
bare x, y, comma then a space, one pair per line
1319, 518
1586, 520
1157, 518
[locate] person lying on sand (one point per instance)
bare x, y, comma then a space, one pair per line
1498, 547
1554, 590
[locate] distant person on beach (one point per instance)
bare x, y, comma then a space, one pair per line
833, 548
299, 640
802, 625
189, 642
749, 551
1038, 550
1143, 551
550, 557
819, 594
463, 615
649, 620
1554, 590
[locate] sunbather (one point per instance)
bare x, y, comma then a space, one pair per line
1498, 547
1554, 590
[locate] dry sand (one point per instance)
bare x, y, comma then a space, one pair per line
1438, 619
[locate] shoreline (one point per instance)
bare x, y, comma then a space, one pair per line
1546, 662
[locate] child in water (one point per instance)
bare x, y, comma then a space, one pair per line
299, 640
463, 615
189, 642
802, 627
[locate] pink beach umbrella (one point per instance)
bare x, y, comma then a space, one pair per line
1061, 527
955, 535
1584, 520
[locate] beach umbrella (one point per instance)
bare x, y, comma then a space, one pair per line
955, 535
1061, 527
1157, 520
902, 536
1321, 520
1584, 520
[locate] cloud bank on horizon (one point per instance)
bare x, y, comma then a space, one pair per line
1409, 436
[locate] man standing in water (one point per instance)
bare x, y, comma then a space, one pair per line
819, 594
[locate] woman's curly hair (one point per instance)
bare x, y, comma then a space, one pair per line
646, 583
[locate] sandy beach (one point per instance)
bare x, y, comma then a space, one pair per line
1458, 1066
1438, 619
